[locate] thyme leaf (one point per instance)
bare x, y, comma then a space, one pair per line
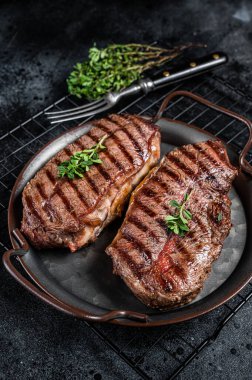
178, 223
80, 162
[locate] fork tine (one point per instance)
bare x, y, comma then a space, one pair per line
80, 116
94, 107
85, 107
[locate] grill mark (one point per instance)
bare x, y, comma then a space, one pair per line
163, 185
194, 157
71, 184
142, 226
157, 182
32, 209
79, 194
68, 151
87, 177
100, 169
117, 140
144, 208
182, 248
138, 244
41, 191
204, 167
205, 153
135, 143
162, 224
107, 153
103, 172
170, 173
151, 213
219, 153
92, 184
184, 168
149, 192
199, 223
46, 206
137, 123
188, 154
50, 177
80, 145
133, 267
67, 204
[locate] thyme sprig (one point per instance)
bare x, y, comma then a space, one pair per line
178, 223
80, 162
219, 217
115, 67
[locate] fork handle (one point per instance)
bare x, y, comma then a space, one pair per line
194, 68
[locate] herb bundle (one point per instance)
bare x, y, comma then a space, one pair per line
81, 161
178, 223
116, 67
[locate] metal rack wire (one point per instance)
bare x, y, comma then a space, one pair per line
158, 352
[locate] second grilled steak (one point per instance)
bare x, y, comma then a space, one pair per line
61, 212
161, 268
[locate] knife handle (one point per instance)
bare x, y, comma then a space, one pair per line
193, 68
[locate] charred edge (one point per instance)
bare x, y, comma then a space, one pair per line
117, 140
117, 120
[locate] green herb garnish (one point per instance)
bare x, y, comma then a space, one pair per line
178, 223
219, 217
116, 67
81, 161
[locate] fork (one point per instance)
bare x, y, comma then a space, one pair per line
194, 68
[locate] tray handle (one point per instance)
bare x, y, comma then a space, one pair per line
244, 165
52, 300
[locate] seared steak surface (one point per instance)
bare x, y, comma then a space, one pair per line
71, 213
161, 268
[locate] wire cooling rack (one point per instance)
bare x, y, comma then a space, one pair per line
163, 352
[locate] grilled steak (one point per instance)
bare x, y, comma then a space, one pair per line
60, 212
161, 268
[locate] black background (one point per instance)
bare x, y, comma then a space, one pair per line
39, 44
